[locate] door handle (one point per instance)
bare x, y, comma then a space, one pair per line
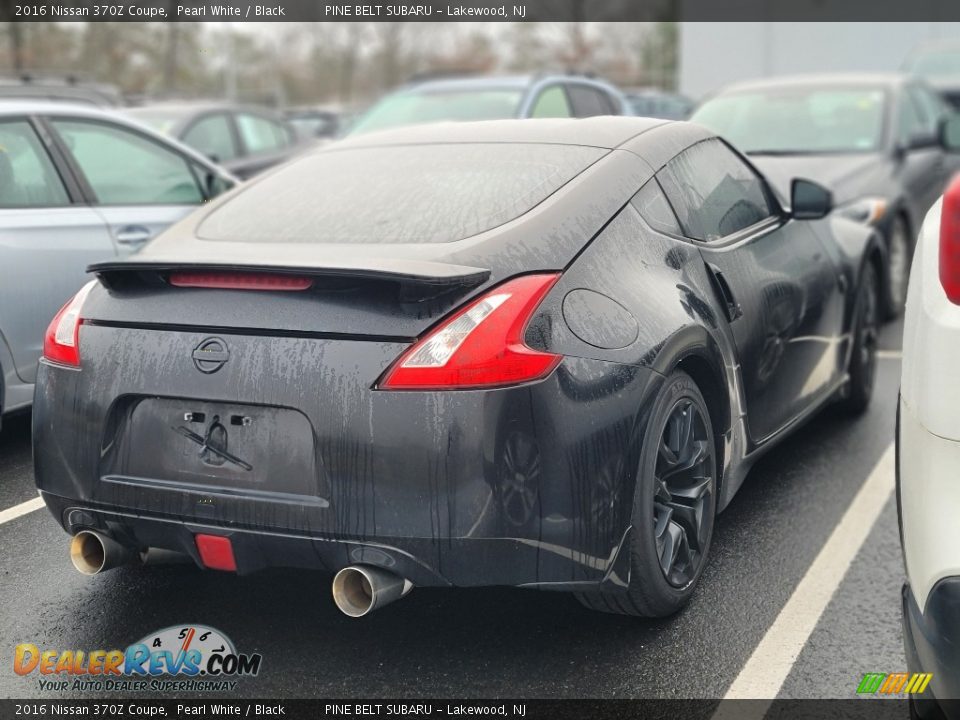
132, 235
720, 284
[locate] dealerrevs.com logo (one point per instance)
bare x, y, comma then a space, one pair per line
176, 659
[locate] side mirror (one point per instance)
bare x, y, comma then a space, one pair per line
950, 133
922, 140
809, 200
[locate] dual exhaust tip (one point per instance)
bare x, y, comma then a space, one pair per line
358, 590
92, 553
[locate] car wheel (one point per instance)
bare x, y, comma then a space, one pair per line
863, 356
898, 264
674, 506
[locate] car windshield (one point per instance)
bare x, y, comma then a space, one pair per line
797, 120
935, 63
159, 120
432, 193
426, 106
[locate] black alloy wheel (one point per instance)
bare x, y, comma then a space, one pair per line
683, 484
674, 506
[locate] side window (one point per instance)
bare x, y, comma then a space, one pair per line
654, 208
260, 134
713, 192
929, 107
27, 175
125, 168
589, 101
552, 103
909, 120
211, 136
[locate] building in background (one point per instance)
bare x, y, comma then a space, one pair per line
716, 54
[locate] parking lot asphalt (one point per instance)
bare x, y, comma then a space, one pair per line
464, 643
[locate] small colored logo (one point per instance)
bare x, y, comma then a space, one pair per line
189, 651
894, 683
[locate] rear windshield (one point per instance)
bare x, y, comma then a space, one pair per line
405, 194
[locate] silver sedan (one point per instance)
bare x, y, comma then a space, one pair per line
77, 185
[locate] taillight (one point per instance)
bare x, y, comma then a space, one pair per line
950, 241
61, 344
480, 345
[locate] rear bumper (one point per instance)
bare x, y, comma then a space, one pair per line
424, 561
524, 486
931, 640
929, 500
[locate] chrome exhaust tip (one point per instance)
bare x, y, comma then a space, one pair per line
92, 553
360, 589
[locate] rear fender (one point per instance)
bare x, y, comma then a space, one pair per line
638, 298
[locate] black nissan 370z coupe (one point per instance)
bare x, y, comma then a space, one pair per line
536, 353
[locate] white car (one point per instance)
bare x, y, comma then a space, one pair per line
928, 467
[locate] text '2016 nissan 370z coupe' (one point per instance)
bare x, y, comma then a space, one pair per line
538, 353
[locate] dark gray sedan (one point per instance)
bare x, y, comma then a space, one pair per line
873, 139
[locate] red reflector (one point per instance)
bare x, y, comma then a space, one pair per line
216, 552
950, 241
240, 281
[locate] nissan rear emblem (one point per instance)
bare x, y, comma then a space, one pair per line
210, 355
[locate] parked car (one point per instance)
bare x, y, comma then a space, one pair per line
67, 88
938, 63
77, 185
872, 139
928, 450
657, 103
315, 123
493, 98
244, 140
340, 369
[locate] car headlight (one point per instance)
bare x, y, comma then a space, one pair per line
868, 211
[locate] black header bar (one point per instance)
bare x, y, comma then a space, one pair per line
480, 11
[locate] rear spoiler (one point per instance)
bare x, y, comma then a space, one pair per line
419, 273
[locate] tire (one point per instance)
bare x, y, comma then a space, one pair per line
899, 252
863, 356
674, 506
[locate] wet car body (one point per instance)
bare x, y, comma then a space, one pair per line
524, 485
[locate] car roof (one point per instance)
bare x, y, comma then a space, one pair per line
604, 131
54, 107
480, 82
184, 107
467, 82
819, 80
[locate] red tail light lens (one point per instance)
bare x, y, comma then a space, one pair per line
480, 345
950, 241
240, 281
61, 344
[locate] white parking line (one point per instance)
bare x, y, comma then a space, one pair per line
771, 662
22, 509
